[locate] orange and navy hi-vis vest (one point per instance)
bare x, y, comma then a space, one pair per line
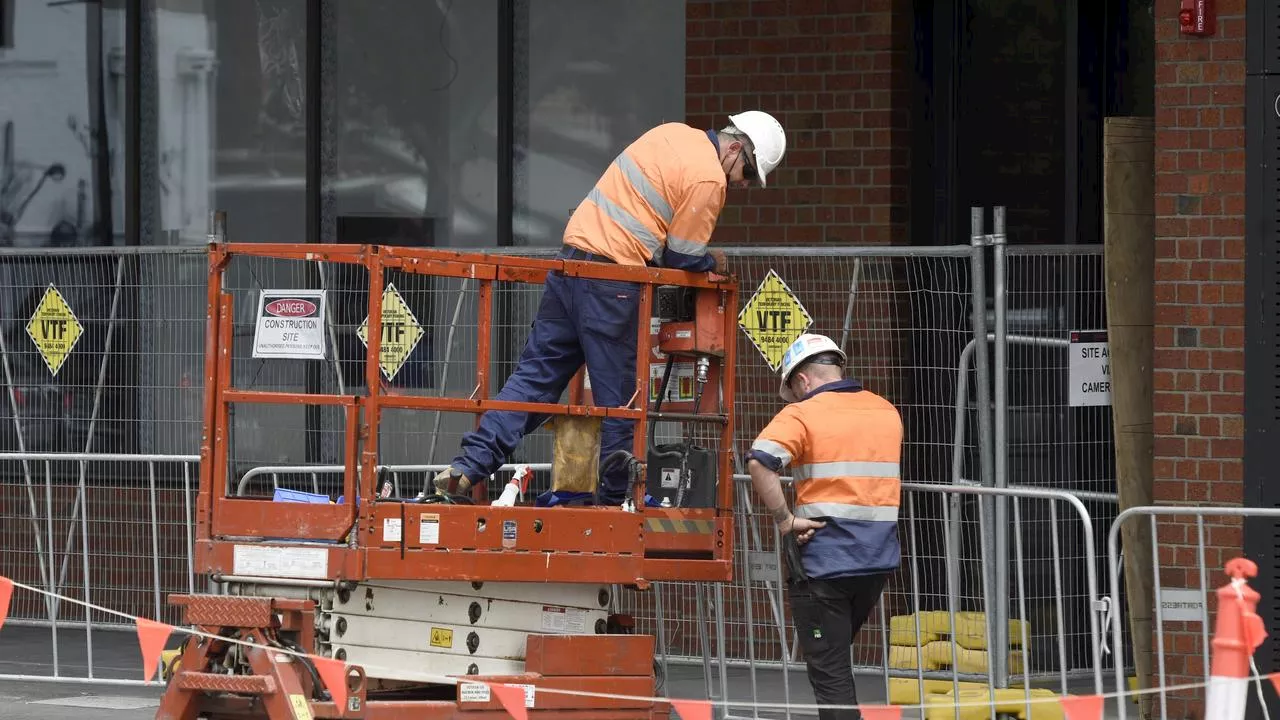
657, 203
844, 447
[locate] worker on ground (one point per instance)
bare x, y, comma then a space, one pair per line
843, 445
657, 205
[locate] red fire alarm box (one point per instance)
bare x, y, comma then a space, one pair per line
1196, 18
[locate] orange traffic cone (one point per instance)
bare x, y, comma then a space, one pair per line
1237, 633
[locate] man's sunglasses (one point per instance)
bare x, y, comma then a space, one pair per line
748, 170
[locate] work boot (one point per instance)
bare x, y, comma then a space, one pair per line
448, 475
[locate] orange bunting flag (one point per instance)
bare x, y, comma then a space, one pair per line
152, 636
881, 712
6, 592
334, 674
692, 709
512, 699
1273, 677
1082, 707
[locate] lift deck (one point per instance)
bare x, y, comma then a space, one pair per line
422, 599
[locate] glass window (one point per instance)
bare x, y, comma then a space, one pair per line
223, 127
224, 120
62, 146
62, 165
410, 141
591, 76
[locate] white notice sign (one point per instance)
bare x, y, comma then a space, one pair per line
290, 324
1179, 605
1089, 370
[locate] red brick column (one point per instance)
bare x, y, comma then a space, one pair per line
1199, 313
837, 76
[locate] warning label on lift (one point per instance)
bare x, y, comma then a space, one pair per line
564, 620
400, 333
773, 318
54, 329
441, 638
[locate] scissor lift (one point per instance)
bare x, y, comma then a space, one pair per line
343, 576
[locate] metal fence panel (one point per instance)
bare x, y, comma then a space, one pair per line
906, 316
923, 632
1191, 551
1044, 299
113, 530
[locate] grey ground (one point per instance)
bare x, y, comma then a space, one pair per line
27, 651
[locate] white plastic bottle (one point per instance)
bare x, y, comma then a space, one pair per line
515, 487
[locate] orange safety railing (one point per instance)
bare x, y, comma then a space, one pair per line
475, 542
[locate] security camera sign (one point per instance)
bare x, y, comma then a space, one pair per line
1089, 369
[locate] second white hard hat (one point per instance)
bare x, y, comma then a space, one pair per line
805, 347
767, 136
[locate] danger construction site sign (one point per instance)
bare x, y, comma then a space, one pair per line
773, 318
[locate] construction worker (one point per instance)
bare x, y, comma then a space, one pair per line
657, 205
843, 444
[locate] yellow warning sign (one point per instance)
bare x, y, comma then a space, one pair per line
773, 318
400, 332
301, 708
54, 329
441, 637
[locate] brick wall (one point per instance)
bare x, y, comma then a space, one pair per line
1199, 314
835, 73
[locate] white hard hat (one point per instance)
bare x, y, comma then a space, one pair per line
804, 347
767, 136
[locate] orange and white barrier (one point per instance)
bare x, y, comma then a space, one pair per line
1238, 632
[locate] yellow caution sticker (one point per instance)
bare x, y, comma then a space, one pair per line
54, 329
301, 708
441, 637
773, 318
401, 333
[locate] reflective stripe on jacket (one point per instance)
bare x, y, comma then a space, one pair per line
657, 203
844, 447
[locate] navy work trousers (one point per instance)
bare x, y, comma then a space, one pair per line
579, 320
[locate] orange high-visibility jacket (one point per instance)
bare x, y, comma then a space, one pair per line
844, 447
657, 203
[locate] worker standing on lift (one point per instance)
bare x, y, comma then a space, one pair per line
656, 204
844, 446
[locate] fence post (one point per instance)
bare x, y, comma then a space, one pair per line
998, 653
982, 399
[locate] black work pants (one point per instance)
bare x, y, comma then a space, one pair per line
828, 615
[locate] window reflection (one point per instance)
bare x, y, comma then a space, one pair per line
596, 75
224, 84
410, 151
62, 124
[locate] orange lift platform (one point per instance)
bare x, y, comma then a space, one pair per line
426, 602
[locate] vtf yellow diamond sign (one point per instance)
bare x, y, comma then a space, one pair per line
400, 333
773, 318
54, 329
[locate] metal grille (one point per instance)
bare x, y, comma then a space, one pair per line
1049, 293
137, 513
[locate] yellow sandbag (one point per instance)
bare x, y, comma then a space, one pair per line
575, 464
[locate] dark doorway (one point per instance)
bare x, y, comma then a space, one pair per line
1008, 106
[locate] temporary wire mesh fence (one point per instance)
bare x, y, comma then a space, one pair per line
1191, 552
1058, 435
115, 530
133, 383
919, 632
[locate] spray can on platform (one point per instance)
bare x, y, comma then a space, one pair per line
515, 487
